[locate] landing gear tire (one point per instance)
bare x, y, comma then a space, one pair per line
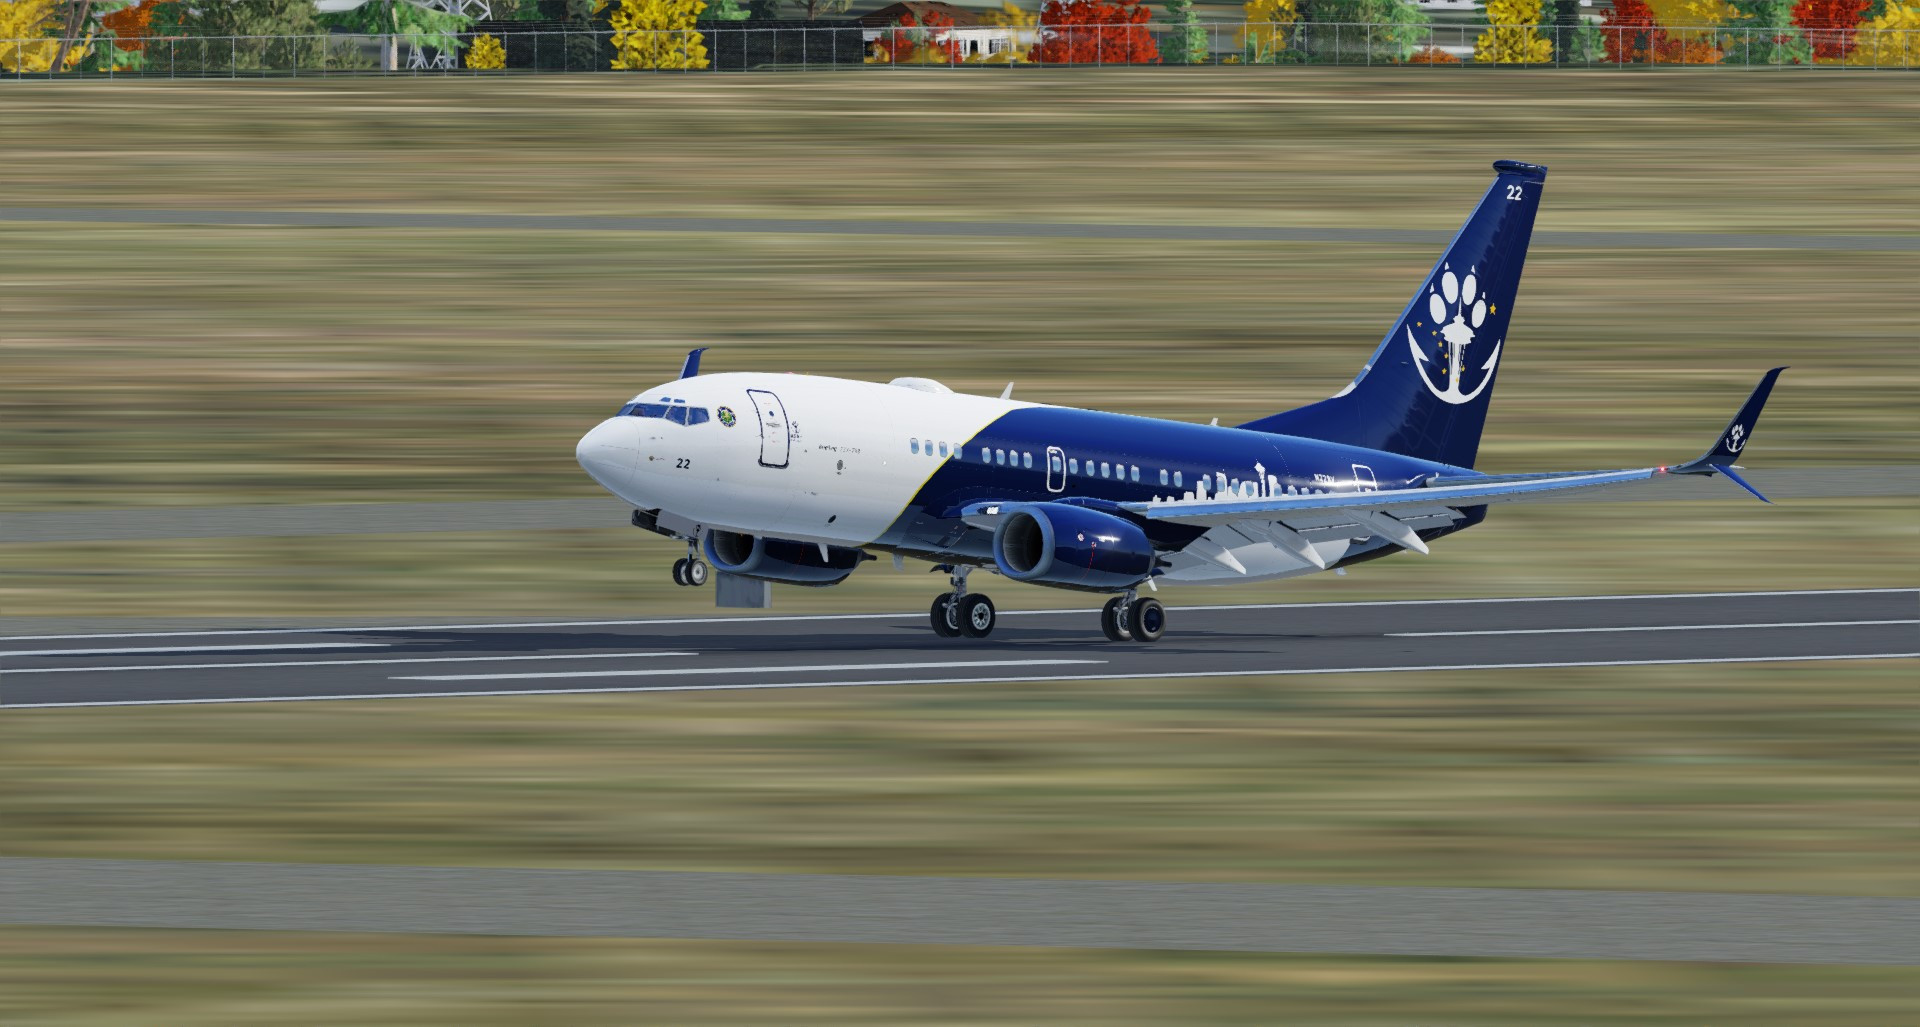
1111, 624
680, 572
946, 620
1146, 620
696, 573
976, 616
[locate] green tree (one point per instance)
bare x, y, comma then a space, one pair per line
1377, 30
1188, 42
1767, 34
395, 18
811, 9
268, 35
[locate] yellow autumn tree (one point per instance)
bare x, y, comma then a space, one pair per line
1514, 36
1263, 38
27, 31
1690, 26
1889, 41
1022, 26
487, 54
653, 35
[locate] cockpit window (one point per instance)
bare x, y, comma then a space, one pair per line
678, 413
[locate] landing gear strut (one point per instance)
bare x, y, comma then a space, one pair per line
1128, 618
958, 612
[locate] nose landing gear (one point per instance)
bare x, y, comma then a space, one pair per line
958, 613
691, 571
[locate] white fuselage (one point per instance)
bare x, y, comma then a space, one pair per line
807, 458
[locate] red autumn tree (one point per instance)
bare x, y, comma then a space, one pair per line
1829, 24
131, 26
1631, 34
1627, 32
1095, 32
914, 42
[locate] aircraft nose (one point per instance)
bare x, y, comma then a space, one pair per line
609, 451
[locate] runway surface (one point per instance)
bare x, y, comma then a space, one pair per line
1534, 923
788, 652
974, 229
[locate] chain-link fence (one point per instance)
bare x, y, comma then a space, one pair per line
736, 46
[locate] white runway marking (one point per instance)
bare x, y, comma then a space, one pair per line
794, 669
619, 689
194, 648
1656, 627
911, 615
345, 663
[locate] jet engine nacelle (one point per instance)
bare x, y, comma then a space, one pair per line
778, 559
1071, 547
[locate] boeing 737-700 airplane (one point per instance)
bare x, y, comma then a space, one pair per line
797, 479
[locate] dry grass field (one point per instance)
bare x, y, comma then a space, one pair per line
179, 366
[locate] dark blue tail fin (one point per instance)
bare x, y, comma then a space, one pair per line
1426, 390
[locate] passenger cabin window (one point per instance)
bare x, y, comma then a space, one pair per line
1026, 461
915, 444
1163, 476
1133, 472
1176, 479
1000, 457
1053, 463
986, 455
1105, 469
943, 450
1073, 465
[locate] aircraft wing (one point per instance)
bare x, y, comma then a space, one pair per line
1292, 522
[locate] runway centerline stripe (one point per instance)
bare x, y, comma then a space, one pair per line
1656, 627
793, 669
1058, 678
349, 629
344, 663
195, 649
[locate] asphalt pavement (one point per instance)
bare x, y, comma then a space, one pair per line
971, 229
787, 652
1496, 922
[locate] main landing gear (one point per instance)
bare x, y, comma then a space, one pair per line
1127, 618
690, 571
958, 612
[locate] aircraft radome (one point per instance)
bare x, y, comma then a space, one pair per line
791, 478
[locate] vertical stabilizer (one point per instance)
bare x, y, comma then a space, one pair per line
1425, 392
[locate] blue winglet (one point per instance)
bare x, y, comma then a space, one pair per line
1727, 470
1727, 448
692, 366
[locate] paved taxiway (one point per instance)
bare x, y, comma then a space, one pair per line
758, 652
970, 229
1530, 922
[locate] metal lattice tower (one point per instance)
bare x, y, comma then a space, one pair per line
478, 10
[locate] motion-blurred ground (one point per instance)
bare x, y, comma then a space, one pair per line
167, 366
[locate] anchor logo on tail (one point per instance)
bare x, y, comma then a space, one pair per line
1736, 438
1467, 304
